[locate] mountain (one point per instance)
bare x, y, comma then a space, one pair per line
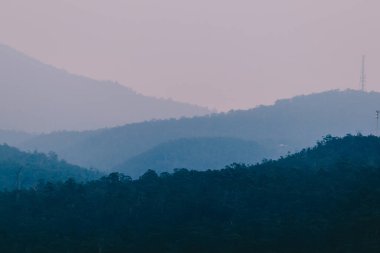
35, 97
196, 153
288, 125
323, 199
27, 169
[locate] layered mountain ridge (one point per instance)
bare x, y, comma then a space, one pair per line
287, 126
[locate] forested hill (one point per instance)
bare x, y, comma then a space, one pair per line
294, 205
21, 169
288, 125
196, 153
36, 97
355, 151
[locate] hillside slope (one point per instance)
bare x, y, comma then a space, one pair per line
354, 150
197, 153
35, 97
27, 169
288, 125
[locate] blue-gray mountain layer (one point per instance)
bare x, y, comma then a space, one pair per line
288, 125
208, 153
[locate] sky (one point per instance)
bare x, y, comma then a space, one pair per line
221, 54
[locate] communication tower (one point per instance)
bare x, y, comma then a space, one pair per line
377, 121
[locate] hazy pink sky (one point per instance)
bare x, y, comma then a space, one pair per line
217, 53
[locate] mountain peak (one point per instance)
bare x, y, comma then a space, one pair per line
37, 97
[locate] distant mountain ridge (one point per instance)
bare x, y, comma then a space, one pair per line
288, 125
13, 138
35, 97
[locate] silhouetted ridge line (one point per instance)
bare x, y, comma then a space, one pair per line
322, 199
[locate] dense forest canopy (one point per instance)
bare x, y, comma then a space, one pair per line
323, 199
22, 169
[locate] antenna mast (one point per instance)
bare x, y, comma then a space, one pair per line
377, 122
363, 77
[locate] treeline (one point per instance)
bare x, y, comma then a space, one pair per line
296, 204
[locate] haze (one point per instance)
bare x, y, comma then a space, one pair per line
220, 54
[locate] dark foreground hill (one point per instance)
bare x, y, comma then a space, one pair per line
354, 151
288, 125
325, 199
196, 154
35, 97
21, 169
